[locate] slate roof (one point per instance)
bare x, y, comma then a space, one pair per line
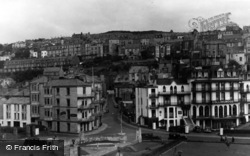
169, 81
67, 82
18, 100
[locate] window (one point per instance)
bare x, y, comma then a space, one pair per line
240, 58
231, 96
182, 88
216, 111
68, 102
164, 89
153, 102
68, 91
68, 113
58, 102
57, 91
217, 96
222, 95
83, 90
68, 127
175, 89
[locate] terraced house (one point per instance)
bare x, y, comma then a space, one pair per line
67, 105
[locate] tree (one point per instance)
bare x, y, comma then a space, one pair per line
233, 63
22, 53
148, 53
1, 47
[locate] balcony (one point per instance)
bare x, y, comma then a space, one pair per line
244, 90
83, 107
174, 92
85, 95
201, 102
97, 114
224, 101
102, 101
88, 119
35, 115
164, 104
245, 100
153, 95
153, 107
194, 89
48, 118
225, 89
225, 117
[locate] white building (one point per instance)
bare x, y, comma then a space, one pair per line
162, 105
44, 53
16, 112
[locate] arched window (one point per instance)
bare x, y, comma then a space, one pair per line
220, 111
201, 110
175, 89
234, 110
206, 111
164, 89
216, 111
225, 110
182, 88
171, 89
194, 111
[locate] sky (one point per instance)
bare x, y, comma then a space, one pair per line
32, 19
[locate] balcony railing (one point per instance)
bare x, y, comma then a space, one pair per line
83, 107
85, 95
153, 106
224, 101
244, 90
201, 89
217, 117
153, 95
48, 118
224, 88
245, 100
174, 92
201, 101
90, 118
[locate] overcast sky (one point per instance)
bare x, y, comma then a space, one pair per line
31, 19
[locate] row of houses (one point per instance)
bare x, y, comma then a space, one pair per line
71, 105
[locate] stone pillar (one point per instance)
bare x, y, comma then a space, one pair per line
212, 111
90, 126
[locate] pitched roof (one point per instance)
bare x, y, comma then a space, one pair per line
18, 100
52, 69
169, 81
67, 82
42, 79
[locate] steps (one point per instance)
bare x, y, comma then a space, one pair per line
189, 122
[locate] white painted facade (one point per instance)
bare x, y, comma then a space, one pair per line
16, 114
